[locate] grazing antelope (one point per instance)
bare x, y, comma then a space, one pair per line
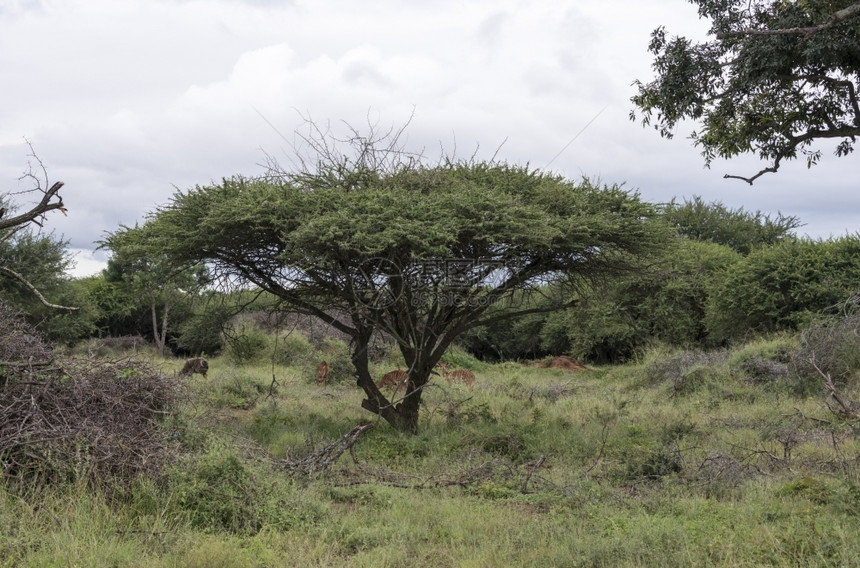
460, 375
322, 374
196, 365
396, 379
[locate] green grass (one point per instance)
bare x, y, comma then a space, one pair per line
689, 463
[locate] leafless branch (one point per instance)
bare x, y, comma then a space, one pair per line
844, 408
531, 473
50, 201
323, 459
750, 180
18, 276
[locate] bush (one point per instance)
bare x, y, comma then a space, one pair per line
337, 354
765, 360
666, 305
686, 371
232, 389
832, 344
220, 491
782, 287
202, 333
245, 343
295, 350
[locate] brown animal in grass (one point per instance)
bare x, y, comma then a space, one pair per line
393, 379
322, 374
197, 365
460, 375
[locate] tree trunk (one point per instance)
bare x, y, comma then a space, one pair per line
403, 416
160, 338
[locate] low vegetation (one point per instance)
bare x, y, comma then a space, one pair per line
727, 457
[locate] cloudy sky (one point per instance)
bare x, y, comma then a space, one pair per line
127, 100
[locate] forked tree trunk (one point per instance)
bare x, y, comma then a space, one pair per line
402, 415
159, 337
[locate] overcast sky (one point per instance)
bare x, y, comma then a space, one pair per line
126, 100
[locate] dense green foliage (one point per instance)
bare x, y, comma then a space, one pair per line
738, 229
151, 277
42, 259
615, 320
783, 287
777, 77
664, 306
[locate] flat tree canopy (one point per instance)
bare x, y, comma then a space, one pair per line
417, 251
778, 76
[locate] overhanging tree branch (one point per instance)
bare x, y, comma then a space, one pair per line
806, 31
783, 85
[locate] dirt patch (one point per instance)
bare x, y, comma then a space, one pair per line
563, 362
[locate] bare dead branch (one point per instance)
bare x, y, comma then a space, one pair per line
50, 201
35, 290
844, 408
750, 180
537, 464
323, 459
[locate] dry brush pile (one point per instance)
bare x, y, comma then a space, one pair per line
65, 419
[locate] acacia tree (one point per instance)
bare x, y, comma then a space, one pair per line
777, 76
15, 238
378, 240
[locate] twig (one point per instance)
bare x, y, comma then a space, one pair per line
844, 406
528, 478
603, 438
36, 290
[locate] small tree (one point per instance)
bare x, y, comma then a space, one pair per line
378, 240
151, 277
777, 77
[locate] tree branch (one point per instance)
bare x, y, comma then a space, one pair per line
38, 210
795, 141
806, 32
35, 290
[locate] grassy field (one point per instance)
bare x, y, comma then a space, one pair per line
682, 459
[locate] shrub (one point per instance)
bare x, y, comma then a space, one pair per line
202, 333
621, 320
295, 349
832, 344
337, 354
245, 343
219, 491
233, 389
765, 360
686, 371
782, 287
